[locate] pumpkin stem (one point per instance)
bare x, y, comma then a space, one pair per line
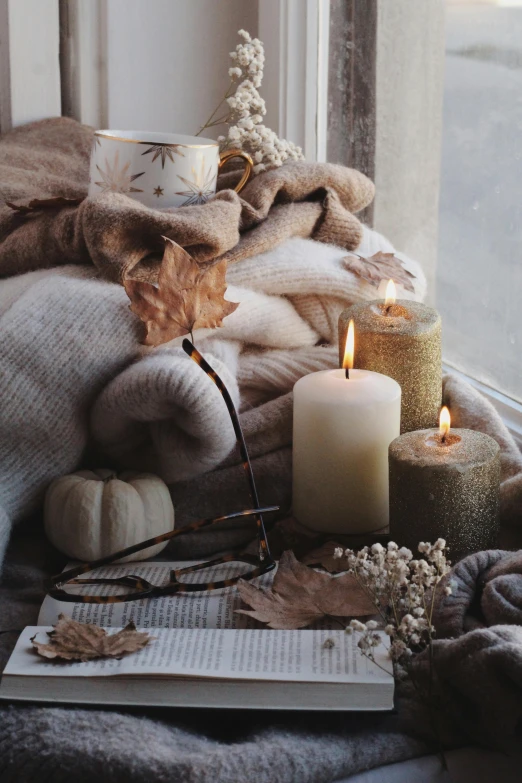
110, 477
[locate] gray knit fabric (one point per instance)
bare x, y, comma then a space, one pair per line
112, 747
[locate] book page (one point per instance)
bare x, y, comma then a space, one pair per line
208, 609
230, 654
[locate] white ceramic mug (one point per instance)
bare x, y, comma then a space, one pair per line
159, 169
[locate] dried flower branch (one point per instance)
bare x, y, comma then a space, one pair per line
245, 108
403, 591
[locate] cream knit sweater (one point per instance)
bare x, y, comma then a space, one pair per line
70, 361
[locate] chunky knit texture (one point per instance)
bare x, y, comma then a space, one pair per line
55, 358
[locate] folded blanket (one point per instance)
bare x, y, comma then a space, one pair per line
50, 158
70, 363
70, 360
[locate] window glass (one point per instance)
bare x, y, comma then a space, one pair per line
479, 269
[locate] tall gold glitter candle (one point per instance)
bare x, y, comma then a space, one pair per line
402, 340
445, 484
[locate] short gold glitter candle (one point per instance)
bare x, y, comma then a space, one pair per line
445, 484
403, 340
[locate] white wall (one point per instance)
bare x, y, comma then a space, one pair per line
167, 60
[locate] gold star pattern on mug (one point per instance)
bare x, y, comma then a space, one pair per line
158, 191
116, 178
200, 188
164, 151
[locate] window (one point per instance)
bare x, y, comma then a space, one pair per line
426, 98
479, 270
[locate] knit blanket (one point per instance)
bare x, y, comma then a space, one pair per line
73, 374
49, 159
478, 673
78, 389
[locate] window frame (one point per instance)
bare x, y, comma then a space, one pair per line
30, 79
295, 34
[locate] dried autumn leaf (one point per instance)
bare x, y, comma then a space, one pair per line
39, 204
299, 596
381, 266
73, 641
188, 297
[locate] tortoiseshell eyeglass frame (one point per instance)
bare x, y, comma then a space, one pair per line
142, 588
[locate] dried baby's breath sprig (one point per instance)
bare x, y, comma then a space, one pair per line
403, 591
245, 108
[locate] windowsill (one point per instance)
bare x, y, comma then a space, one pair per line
509, 410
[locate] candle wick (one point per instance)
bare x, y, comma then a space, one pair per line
347, 373
443, 438
388, 308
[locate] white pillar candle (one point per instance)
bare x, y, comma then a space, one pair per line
342, 430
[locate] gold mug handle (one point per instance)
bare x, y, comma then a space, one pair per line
249, 165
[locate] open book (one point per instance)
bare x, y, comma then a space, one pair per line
203, 655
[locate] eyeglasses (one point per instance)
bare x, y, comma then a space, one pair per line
142, 588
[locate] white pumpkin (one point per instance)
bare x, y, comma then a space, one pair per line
94, 513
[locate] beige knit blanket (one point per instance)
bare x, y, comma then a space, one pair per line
50, 158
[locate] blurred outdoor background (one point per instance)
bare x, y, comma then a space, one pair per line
479, 268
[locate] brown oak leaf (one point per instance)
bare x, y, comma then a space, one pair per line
39, 204
300, 595
380, 266
73, 641
187, 297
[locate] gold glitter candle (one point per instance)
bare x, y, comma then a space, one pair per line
445, 484
403, 340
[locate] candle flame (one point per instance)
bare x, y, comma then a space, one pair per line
391, 294
444, 422
349, 349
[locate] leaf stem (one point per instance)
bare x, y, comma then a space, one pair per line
373, 597
220, 121
336, 620
372, 659
209, 122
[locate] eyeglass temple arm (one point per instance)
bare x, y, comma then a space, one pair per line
65, 576
191, 350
